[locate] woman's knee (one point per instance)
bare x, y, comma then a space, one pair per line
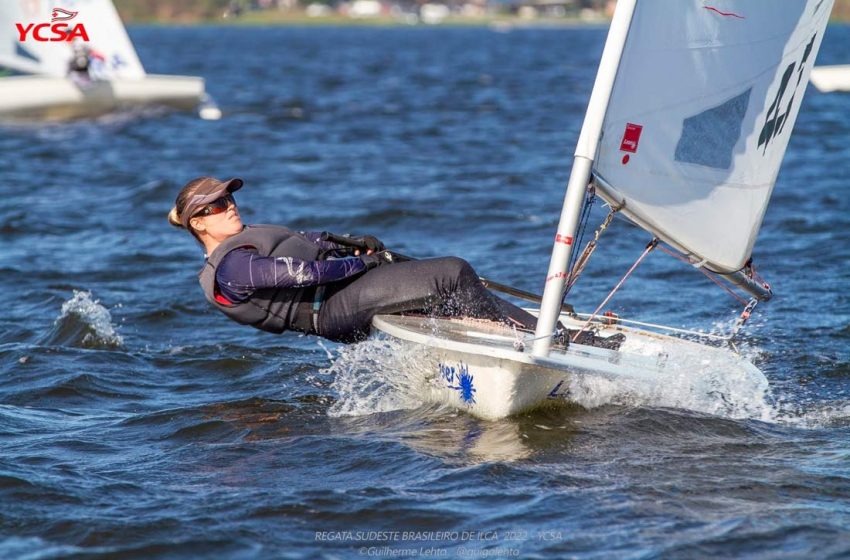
456, 266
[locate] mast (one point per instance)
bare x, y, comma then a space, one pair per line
580, 176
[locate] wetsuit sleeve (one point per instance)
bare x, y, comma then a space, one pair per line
242, 271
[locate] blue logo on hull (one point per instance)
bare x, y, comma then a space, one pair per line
559, 391
460, 380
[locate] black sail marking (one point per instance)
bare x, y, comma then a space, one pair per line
806, 54
769, 129
775, 121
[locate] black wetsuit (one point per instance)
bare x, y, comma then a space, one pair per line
445, 287
290, 286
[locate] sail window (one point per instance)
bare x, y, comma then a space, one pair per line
709, 138
23, 53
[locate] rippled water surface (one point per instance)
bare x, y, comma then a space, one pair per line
137, 422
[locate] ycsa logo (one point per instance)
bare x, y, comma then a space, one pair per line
57, 30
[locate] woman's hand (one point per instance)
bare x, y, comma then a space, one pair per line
369, 242
377, 259
356, 245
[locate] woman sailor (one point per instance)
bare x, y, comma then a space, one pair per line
276, 279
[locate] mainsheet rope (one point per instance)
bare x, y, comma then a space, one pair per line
749, 305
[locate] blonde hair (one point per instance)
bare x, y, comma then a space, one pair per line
183, 197
174, 218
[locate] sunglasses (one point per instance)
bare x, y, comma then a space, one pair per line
217, 206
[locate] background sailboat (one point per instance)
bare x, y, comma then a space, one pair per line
38, 38
686, 128
832, 78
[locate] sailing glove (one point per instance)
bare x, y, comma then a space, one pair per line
368, 242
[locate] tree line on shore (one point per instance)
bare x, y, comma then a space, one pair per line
198, 10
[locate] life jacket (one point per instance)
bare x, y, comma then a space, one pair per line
269, 309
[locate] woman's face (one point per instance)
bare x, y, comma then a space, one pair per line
219, 219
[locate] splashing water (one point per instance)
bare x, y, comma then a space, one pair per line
84, 322
376, 376
384, 375
702, 379
814, 415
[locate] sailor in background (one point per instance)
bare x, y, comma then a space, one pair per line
276, 279
78, 66
86, 65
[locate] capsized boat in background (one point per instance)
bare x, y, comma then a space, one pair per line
831, 78
684, 134
38, 40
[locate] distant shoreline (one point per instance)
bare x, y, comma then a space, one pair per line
386, 22
302, 20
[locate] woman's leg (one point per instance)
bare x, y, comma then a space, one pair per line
446, 286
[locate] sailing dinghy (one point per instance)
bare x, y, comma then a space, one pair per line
38, 39
684, 134
831, 78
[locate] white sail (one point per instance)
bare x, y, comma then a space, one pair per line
113, 51
11, 55
702, 108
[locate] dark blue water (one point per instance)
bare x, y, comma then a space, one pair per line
136, 423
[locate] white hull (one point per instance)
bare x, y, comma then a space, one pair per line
831, 78
477, 368
47, 98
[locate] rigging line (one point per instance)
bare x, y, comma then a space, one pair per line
650, 246
582, 261
663, 328
749, 269
708, 275
590, 198
744, 317
532, 338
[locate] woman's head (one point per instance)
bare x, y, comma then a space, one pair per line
205, 206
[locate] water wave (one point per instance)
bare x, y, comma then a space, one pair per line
34, 548
813, 415
84, 323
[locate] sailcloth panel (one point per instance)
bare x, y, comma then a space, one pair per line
702, 108
107, 38
12, 56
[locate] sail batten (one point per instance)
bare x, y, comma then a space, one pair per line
700, 115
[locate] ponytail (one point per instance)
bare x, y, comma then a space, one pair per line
174, 218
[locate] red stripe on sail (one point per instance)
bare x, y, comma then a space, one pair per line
724, 14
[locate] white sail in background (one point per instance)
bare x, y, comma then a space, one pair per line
116, 57
704, 101
11, 54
